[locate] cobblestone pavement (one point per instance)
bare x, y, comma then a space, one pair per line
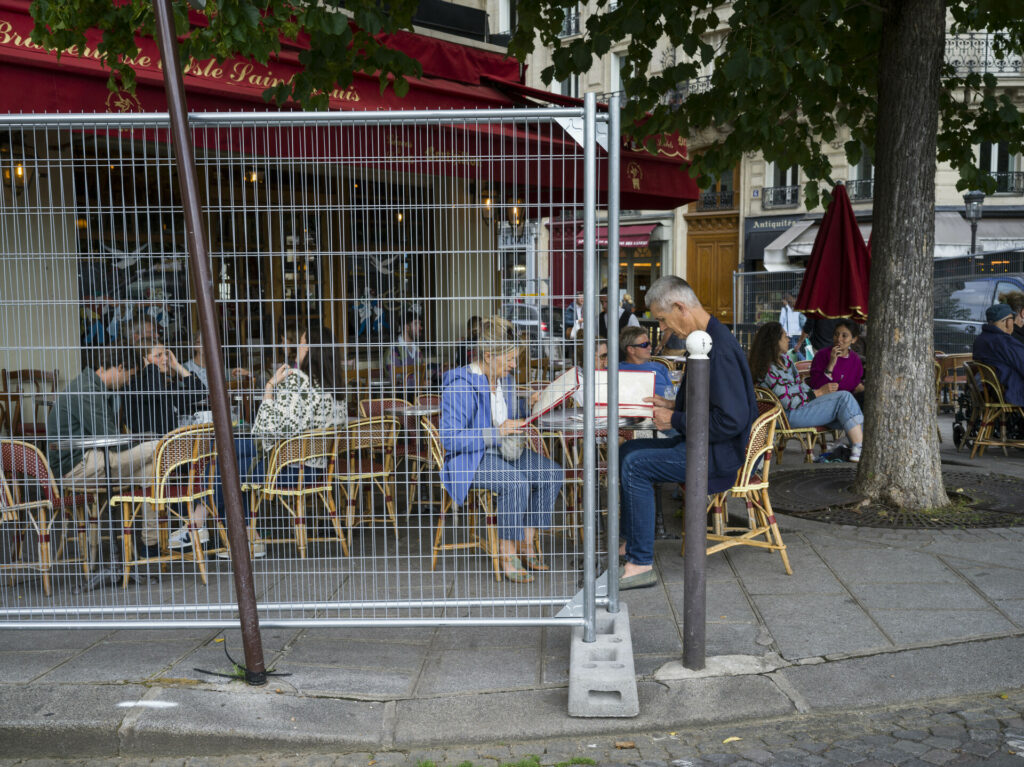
986, 730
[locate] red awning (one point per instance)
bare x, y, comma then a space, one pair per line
452, 77
635, 236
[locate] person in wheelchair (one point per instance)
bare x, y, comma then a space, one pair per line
996, 347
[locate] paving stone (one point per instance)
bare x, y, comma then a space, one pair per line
917, 735
941, 743
843, 756
912, 747
937, 756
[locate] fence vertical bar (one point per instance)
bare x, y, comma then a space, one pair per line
735, 299
590, 325
255, 670
614, 127
698, 375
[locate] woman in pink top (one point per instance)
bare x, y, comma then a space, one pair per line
839, 364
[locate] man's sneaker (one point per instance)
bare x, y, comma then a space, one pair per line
258, 552
855, 453
180, 538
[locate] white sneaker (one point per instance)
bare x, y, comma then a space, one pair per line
180, 538
258, 552
855, 453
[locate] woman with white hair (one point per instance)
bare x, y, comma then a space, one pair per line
481, 412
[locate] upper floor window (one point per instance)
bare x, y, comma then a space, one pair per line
570, 86
861, 182
1005, 168
618, 62
783, 187
720, 195
571, 25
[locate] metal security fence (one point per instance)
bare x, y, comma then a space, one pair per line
963, 288
354, 257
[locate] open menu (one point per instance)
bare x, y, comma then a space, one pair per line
634, 386
555, 393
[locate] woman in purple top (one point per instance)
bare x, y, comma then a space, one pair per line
839, 364
772, 368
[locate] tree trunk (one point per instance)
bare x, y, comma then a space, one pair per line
901, 464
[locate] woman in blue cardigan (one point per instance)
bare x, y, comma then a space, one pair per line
481, 413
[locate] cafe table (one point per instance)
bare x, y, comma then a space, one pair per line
103, 573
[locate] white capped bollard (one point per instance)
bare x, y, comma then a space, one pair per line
698, 380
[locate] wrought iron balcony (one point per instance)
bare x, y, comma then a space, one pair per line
571, 25
713, 199
775, 197
861, 189
676, 96
1009, 183
974, 52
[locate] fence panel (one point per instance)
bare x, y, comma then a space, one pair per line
353, 256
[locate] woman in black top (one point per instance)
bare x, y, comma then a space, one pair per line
162, 393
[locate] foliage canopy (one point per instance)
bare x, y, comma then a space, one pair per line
785, 78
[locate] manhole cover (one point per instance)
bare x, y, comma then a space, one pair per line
825, 495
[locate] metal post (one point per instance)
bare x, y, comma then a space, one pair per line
202, 281
614, 119
590, 325
974, 235
698, 374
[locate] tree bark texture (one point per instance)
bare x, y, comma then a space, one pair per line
901, 464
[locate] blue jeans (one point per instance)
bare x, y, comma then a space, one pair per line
642, 464
838, 410
526, 488
246, 451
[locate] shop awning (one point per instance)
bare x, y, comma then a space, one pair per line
633, 236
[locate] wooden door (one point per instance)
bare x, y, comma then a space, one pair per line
712, 253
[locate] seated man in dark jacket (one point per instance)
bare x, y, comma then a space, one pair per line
87, 408
645, 462
996, 347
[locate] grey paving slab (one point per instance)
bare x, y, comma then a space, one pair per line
816, 624
354, 653
887, 565
724, 599
24, 666
891, 678
555, 670
120, 661
245, 720
378, 683
914, 626
654, 601
1014, 608
50, 639
390, 634
918, 596
47, 720
723, 638
654, 636
493, 669
996, 582
763, 575
480, 637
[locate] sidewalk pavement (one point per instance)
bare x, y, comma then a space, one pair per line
869, 618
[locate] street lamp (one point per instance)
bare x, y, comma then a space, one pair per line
973, 201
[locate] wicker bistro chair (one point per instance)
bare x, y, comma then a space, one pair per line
478, 502
30, 394
26, 517
807, 436
292, 483
987, 395
410, 451
184, 464
366, 458
670, 364
29, 477
761, 530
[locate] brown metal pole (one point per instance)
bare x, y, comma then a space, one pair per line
202, 282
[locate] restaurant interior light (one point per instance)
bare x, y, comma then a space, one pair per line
254, 176
16, 168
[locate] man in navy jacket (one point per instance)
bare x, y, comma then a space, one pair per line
996, 347
645, 462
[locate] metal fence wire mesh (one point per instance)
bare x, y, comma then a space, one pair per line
353, 259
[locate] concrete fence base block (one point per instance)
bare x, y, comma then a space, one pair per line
602, 680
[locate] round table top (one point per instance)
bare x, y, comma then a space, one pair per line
414, 410
100, 441
674, 357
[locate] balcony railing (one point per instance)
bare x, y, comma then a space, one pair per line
775, 197
860, 189
1009, 183
974, 52
676, 96
717, 200
571, 24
